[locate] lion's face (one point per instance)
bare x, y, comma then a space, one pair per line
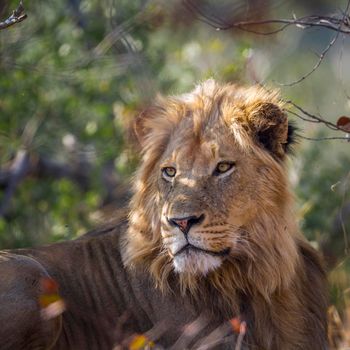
211, 196
206, 197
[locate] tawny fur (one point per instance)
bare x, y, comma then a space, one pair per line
245, 256
266, 266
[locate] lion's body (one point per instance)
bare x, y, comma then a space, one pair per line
100, 290
105, 302
211, 236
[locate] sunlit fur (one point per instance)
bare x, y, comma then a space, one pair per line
272, 255
196, 262
250, 211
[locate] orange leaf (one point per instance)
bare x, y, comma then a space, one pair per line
235, 324
49, 292
46, 299
139, 342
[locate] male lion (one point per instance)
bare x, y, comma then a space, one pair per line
211, 236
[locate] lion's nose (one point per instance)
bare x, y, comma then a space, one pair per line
184, 224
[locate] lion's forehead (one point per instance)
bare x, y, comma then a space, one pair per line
197, 157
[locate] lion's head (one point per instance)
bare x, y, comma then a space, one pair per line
211, 198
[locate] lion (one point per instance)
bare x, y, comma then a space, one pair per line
211, 235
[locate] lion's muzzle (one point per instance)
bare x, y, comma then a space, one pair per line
223, 252
185, 223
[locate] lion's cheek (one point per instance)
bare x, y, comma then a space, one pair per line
241, 212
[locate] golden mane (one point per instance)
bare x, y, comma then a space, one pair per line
269, 256
211, 224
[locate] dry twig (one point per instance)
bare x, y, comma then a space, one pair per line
338, 23
17, 16
345, 19
311, 117
304, 115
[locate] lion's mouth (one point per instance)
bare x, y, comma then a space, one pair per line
189, 247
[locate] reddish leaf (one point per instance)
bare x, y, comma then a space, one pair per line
238, 326
49, 285
235, 324
344, 123
49, 292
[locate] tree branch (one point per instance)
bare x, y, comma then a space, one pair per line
318, 63
339, 23
312, 117
336, 23
345, 19
17, 16
324, 138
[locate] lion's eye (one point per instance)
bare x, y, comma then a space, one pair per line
223, 167
169, 171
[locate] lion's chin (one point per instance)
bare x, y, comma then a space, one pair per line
195, 262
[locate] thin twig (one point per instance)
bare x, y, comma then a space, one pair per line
330, 125
335, 23
17, 16
302, 118
318, 63
339, 24
324, 52
324, 138
311, 118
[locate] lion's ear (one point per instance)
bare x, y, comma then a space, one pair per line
138, 128
271, 129
141, 126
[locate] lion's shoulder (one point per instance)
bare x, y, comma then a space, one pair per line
112, 227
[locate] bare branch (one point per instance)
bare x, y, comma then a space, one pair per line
17, 16
325, 51
339, 23
312, 117
318, 63
335, 22
324, 138
302, 118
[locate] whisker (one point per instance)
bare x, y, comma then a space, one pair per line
167, 236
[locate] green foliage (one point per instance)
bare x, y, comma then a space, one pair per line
75, 72
324, 192
66, 86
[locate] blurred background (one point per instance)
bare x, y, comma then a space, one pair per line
75, 73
